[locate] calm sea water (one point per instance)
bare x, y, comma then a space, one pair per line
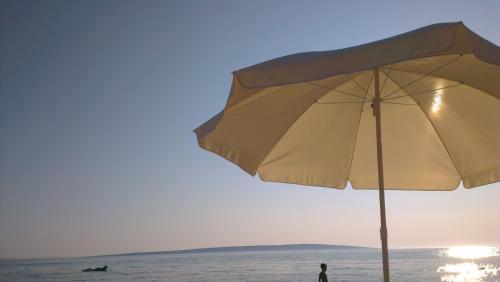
343, 265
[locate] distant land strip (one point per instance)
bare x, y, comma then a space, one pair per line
258, 248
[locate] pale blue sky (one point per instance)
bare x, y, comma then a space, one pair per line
98, 100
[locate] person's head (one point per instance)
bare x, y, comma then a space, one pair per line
323, 266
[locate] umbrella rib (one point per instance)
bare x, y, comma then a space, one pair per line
253, 97
421, 77
283, 135
385, 79
367, 88
355, 141
364, 109
342, 92
360, 87
369, 83
435, 130
331, 103
451, 79
397, 103
347, 93
424, 91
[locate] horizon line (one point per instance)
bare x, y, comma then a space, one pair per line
214, 248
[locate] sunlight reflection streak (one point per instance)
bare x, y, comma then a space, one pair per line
468, 271
471, 252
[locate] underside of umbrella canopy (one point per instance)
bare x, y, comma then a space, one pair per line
308, 118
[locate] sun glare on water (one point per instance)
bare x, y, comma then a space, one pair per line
472, 252
469, 271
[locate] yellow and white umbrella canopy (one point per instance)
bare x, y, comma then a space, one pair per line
418, 111
307, 118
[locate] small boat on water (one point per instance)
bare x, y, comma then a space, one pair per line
104, 268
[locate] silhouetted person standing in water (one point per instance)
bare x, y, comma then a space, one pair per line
322, 274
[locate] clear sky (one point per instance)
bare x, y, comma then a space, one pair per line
98, 100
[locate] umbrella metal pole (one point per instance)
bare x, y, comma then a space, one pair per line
383, 225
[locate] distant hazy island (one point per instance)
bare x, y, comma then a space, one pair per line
260, 248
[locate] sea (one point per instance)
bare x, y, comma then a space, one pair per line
344, 264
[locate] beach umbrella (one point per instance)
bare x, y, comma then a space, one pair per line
418, 111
